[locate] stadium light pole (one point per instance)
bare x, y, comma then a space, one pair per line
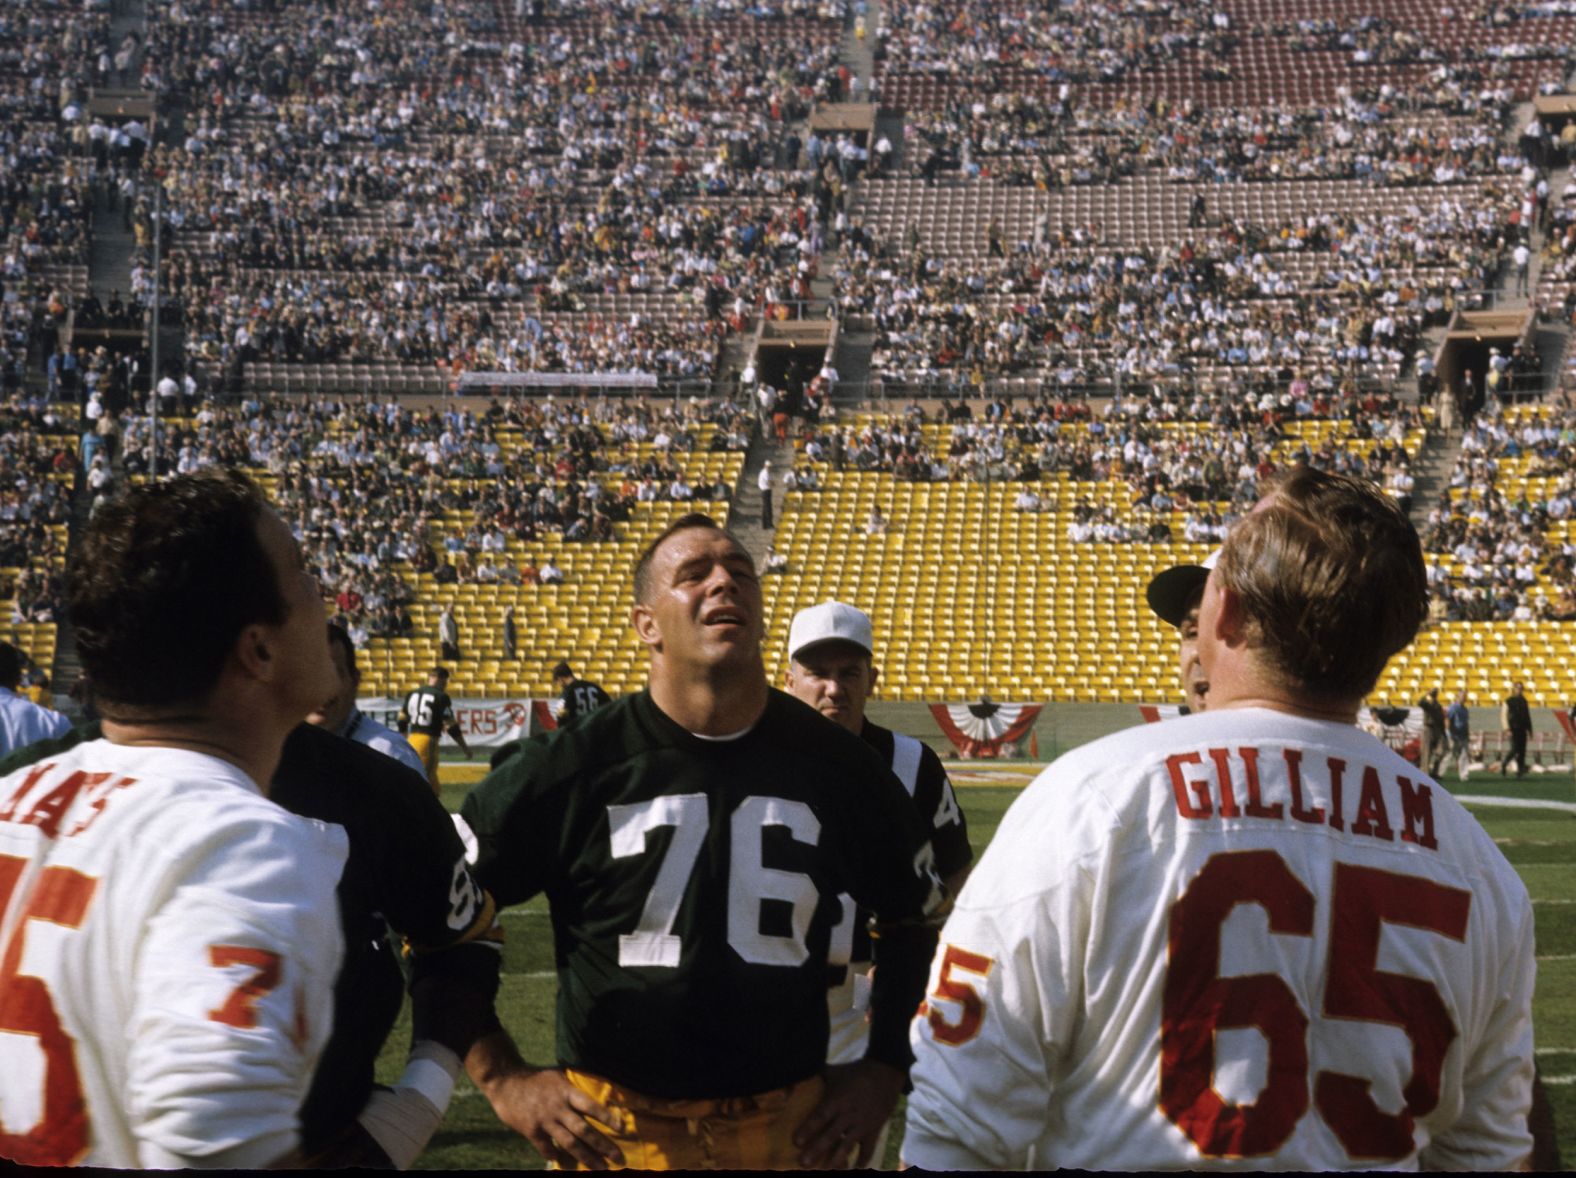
153, 343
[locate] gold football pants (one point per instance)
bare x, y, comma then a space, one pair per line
427, 749
735, 1133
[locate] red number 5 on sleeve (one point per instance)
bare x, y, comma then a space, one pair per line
963, 993
60, 1136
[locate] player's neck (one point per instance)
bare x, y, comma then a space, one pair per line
1242, 686
721, 705
246, 737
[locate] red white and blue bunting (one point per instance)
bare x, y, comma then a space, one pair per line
983, 729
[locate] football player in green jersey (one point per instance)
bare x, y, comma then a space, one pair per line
427, 713
693, 841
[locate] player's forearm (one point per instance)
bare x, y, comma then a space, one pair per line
453, 992
902, 961
494, 1058
403, 1119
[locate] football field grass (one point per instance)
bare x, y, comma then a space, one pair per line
1539, 841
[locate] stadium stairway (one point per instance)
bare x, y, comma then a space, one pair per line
1432, 475
67, 667
744, 521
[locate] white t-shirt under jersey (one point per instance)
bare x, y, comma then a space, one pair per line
1236, 940
169, 944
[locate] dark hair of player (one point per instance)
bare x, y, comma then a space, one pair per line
440, 673
563, 671
1331, 578
684, 523
339, 636
165, 580
10, 665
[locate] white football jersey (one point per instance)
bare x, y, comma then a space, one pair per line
169, 944
1233, 940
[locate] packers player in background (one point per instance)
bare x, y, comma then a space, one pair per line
427, 714
830, 667
693, 840
578, 697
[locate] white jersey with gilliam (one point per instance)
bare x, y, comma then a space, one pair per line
168, 948
1234, 940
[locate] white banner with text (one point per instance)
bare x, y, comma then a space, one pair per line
486, 723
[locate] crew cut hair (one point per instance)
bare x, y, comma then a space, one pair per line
163, 583
1330, 575
693, 519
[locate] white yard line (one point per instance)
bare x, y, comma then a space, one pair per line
1516, 803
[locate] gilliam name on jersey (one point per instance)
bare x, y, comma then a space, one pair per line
1203, 793
51, 800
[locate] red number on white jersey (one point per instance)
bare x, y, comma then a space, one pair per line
240, 1008
971, 1012
60, 1137
1198, 1002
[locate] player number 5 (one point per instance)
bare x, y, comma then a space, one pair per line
59, 1137
971, 1009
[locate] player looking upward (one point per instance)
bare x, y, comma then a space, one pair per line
693, 840
429, 713
831, 667
169, 939
340, 715
1252, 936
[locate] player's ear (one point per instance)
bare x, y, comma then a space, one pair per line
1231, 622
254, 651
645, 623
875, 677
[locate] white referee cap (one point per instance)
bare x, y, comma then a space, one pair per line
831, 621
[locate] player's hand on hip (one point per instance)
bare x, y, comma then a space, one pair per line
858, 1104
553, 1115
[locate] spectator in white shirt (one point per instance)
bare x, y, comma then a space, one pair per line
22, 722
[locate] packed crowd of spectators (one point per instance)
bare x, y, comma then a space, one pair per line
1493, 556
585, 185
1226, 445
368, 486
1020, 108
1337, 291
439, 185
37, 461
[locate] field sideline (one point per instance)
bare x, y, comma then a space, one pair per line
1533, 821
